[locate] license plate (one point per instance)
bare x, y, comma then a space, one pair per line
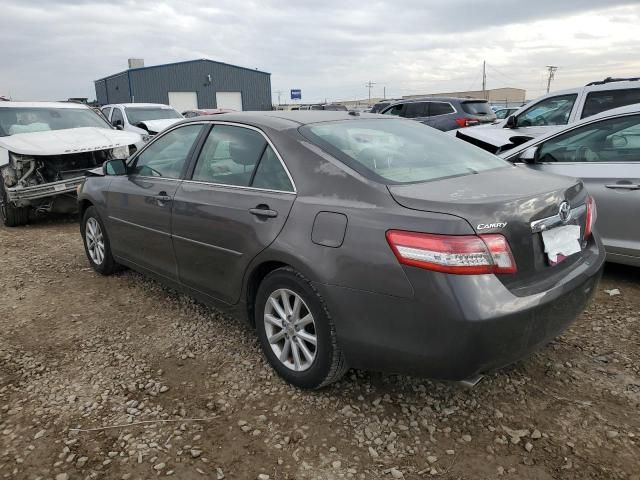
60, 188
561, 242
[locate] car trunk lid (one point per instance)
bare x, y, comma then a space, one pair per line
505, 201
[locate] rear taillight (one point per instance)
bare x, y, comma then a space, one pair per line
459, 254
466, 122
592, 215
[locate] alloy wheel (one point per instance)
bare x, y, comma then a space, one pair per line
95, 240
290, 329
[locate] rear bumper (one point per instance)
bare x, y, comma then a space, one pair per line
456, 326
22, 195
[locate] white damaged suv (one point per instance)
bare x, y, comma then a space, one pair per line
45, 150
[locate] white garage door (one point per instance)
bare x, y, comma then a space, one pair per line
232, 100
182, 101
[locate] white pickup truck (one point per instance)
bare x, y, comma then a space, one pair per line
551, 112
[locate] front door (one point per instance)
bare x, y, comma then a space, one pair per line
139, 204
605, 154
233, 206
544, 116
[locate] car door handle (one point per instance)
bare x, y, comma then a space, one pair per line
162, 198
263, 211
624, 186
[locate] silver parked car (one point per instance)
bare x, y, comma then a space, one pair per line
604, 151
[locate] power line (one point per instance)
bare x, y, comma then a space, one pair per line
369, 85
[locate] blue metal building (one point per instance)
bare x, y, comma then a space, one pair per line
189, 85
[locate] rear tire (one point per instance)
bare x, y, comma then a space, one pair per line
296, 332
96, 243
11, 215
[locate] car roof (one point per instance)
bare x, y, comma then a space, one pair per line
280, 119
614, 112
43, 105
161, 105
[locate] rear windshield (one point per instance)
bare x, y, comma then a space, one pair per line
477, 108
142, 114
396, 151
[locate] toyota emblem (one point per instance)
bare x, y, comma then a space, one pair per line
564, 212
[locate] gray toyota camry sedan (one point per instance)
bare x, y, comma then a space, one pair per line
351, 240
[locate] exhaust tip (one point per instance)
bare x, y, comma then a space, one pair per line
471, 381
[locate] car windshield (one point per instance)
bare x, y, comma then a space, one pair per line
397, 151
477, 108
14, 120
142, 114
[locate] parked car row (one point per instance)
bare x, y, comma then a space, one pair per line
348, 239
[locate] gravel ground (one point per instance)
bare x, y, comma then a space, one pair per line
121, 378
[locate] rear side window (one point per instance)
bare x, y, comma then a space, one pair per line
597, 102
439, 108
394, 151
477, 108
270, 173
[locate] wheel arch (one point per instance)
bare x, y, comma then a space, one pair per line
254, 279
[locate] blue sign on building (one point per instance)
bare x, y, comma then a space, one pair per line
296, 94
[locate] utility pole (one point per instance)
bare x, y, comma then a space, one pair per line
552, 73
384, 93
279, 92
369, 85
484, 79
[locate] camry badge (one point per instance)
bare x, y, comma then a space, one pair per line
485, 226
564, 212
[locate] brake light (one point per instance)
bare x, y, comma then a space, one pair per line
458, 254
466, 122
592, 215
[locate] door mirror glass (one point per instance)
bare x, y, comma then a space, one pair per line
511, 121
115, 167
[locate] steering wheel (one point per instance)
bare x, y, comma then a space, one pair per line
540, 120
151, 170
586, 154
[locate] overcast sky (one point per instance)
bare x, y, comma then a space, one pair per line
54, 49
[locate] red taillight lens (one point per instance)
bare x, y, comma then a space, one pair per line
590, 220
459, 254
466, 122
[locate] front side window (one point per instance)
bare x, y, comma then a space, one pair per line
395, 110
597, 102
117, 117
613, 140
167, 155
106, 112
14, 120
550, 111
229, 156
396, 152
415, 110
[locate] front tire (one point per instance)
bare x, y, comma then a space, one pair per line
96, 243
11, 215
296, 332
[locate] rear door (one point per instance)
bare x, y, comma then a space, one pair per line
233, 206
139, 204
606, 156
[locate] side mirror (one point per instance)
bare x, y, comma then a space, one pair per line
115, 167
511, 122
117, 124
530, 155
